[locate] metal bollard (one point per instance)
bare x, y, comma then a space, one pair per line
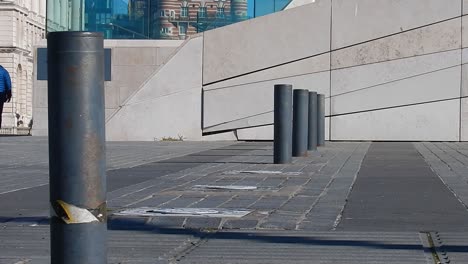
320, 120
77, 148
300, 122
282, 145
312, 135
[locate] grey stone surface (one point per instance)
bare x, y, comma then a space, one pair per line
176, 102
374, 74
449, 161
420, 41
202, 223
122, 86
290, 223
351, 18
431, 121
305, 66
464, 105
326, 212
413, 90
24, 178
240, 224
384, 196
257, 106
168, 183
249, 41
465, 28
133, 62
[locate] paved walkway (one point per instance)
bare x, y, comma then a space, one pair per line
397, 191
347, 203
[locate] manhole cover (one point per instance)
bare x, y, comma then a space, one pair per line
202, 212
262, 172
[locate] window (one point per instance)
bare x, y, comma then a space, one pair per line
220, 12
184, 11
202, 12
167, 13
166, 30
182, 29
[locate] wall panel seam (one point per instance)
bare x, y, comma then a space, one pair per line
396, 106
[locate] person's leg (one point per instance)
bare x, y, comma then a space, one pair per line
2, 99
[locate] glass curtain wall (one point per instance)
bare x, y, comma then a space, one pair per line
153, 19
265, 7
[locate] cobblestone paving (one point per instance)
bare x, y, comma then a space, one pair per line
293, 219
450, 162
309, 194
24, 160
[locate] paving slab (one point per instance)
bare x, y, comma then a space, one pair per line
33, 201
396, 190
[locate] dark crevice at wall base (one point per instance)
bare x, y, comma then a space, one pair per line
232, 130
239, 119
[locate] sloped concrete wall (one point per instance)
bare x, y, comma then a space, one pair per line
132, 63
168, 105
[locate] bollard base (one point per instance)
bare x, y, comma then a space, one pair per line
78, 243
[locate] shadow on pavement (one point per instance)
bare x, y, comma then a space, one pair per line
136, 224
141, 225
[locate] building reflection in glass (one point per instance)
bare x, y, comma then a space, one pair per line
153, 19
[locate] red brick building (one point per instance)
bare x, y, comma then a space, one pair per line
178, 19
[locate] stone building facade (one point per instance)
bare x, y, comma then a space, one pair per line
22, 25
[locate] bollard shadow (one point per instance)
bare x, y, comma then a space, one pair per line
140, 224
228, 155
238, 149
40, 220
264, 236
222, 162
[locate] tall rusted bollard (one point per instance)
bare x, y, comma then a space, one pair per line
77, 148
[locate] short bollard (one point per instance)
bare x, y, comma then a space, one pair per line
320, 120
282, 145
77, 154
312, 135
300, 122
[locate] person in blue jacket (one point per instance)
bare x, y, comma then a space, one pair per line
5, 89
